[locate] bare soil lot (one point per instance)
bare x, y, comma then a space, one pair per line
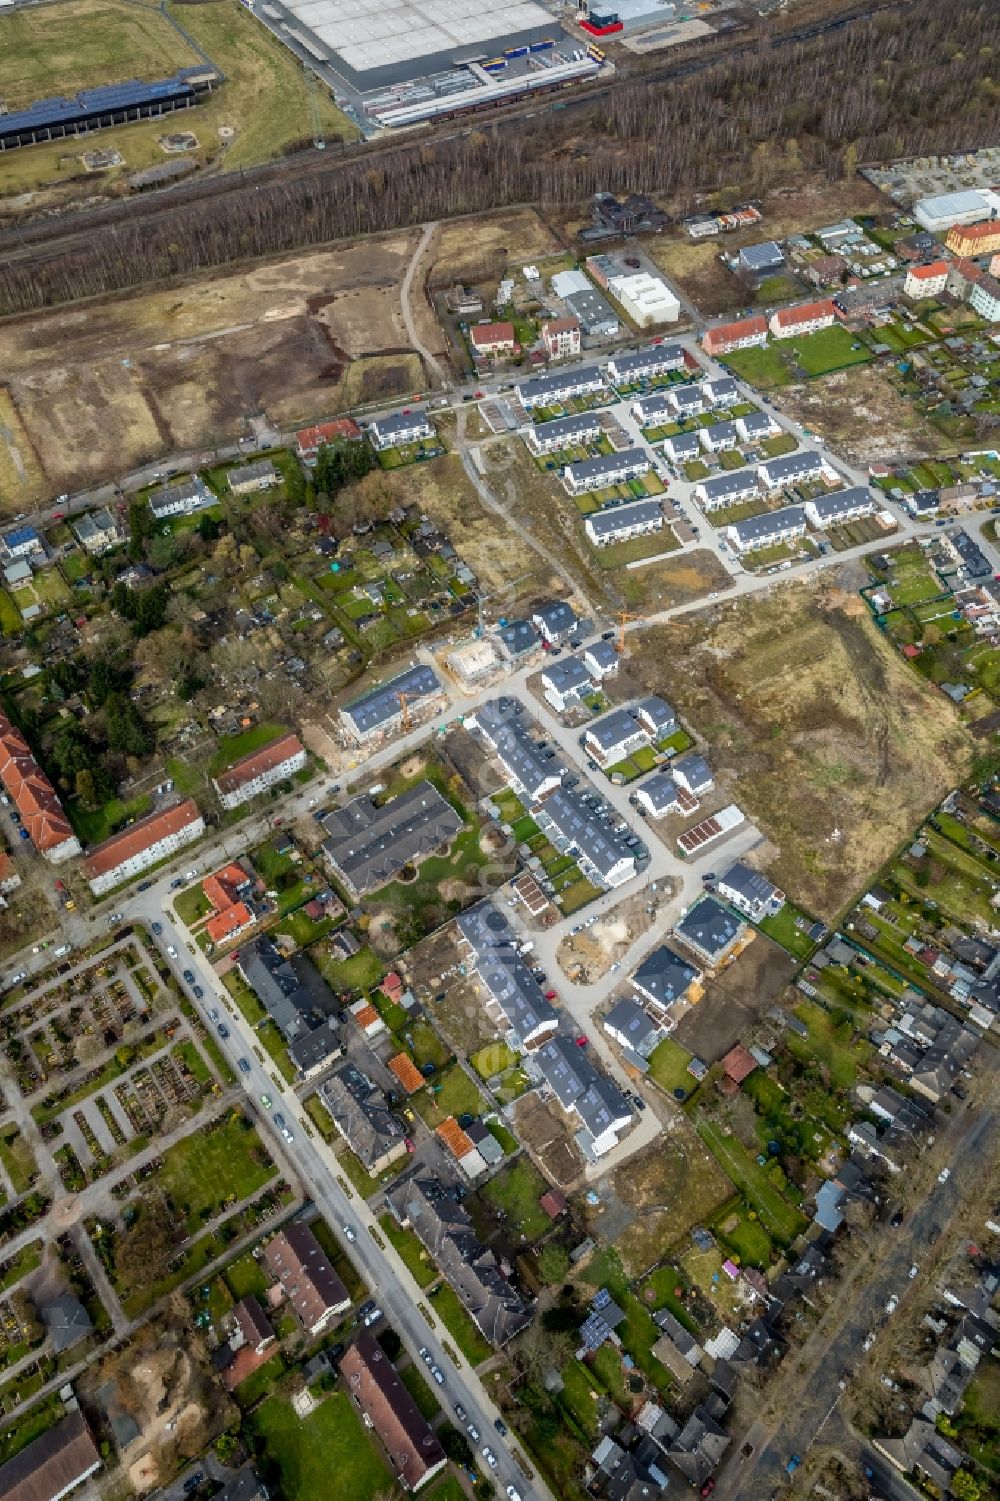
542, 1129
734, 999
839, 749
480, 249
672, 582
95, 391
859, 412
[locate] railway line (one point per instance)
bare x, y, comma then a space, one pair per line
47, 238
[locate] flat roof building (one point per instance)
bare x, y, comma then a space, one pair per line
594, 313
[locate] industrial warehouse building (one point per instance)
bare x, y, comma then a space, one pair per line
374, 46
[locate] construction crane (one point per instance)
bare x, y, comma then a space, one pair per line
623, 619
404, 709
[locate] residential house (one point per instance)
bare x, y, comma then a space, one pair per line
767, 530
501, 723
653, 410
726, 489
386, 1406
693, 773
565, 683
226, 926
745, 333
806, 318
630, 1027
606, 470
368, 845
310, 440
23, 542
362, 1116
841, 506
613, 737
59, 1461
97, 531
294, 1258
563, 432
711, 930
182, 499
493, 956
756, 426
143, 844
664, 977
926, 281
614, 524
445, 1230
516, 639
292, 991
601, 660
561, 338
750, 892
573, 827
253, 1324
34, 797
676, 1348
584, 1092
252, 479
655, 716
66, 1321
554, 621
399, 428
984, 298
682, 448
719, 438
974, 239
698, 1448
491, 339
659, 795
646, 364
560, 385
313, 1051
259, 770
687, 401
381, 709
720, 391
789, 469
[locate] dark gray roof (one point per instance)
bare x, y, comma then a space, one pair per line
292, 991
445, 1230
720, 388
519, 636
615, 519
244, 1486
656, 406
709, 927
756, 422
730, 482
762, 257
369, 845
770, 524
382, 705
541, 388
695, 770
652, 361
658, 710
749, 883
721, 432
665, 975
313, 1048
557, 616
793, 466
503, 972
611, 729
579, 825
829, 507
684, 443
502, 725
603, 653
361, 1114
398, 423
566, 675
567, 429
191, 491
632, 1023
67, 1321
661, 789
251, 473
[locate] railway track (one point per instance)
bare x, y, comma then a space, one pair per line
44, 239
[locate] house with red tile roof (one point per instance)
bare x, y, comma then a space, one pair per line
387, 1407
926, 281
35, 798
255, 773
745, 333
805, 318
311, 439
142, 844
230, 923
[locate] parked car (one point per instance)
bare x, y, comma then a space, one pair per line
244, 1065
425, 1355
198, 992
438, 1374
222, 1030
473, 1432
892, 1305
460, 1412
350, 1232
500, 1426
489, 1456
171, 951
157, 928
279, 1119
213, 1014
266, 1101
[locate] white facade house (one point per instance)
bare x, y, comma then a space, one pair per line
657, 795
561, 385
562, 432
561, 338
807, 318
565, 682
613, 737
775, 474
726, 489
260, 770
619, 523
926, 281
841, 506
755, 426
645, 364
767, 530
647, 299
143, 844
23, 542
749, 892
609, 469
399, 428
688, 401
984, 298
182, 499
651, 411
682, 446
601, 660
718, 438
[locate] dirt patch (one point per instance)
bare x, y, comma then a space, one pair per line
95, 392
734, 999
585, 956
838, 748
542, 1129
480, 249
859, 411
412, 766
674, 1184
676, 581
382, 935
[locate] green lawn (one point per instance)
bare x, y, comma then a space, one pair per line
412, 1379
782, 928
310, 1452
410, 1251
234, 747
244, 1276
764, 368
517, 1189
618, 554
454, 1093
781, 443
192, 904
784, 1220
16, 1156
578, 1396
829, 349
495, 1058
362, 971
449, 1310
94, 825
832, 1044
204, 1173
668, 1066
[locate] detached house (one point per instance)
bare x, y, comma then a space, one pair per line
664, 977
554, 621
613, 737
400, 428
750, 892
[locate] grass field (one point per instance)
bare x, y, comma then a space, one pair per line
203, 1173
264, 101
517, 1190
331, 1441
410, 1251
236, 746
783, 928
782, 1218
635, 549
459, 1325
454, 1093
668, 1066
